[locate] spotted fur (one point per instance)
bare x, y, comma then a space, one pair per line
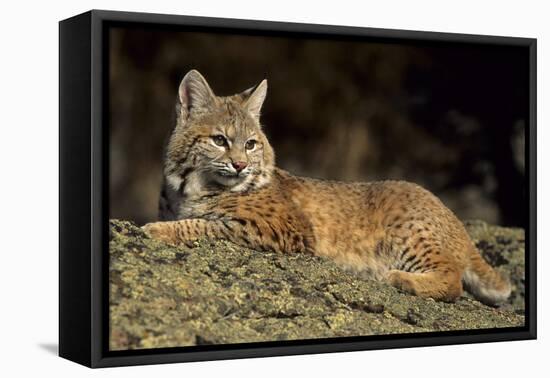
393, 231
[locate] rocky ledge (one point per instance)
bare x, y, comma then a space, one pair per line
218, 292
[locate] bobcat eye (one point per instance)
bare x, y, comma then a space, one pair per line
219, 140
249, 145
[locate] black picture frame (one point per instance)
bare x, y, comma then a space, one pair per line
83, 196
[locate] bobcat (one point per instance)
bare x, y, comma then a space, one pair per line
220, 181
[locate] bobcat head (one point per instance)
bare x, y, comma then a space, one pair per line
218, 142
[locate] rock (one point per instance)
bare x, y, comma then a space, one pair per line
218, 292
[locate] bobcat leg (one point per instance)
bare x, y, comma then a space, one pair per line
246, 233
186, 231
444, 284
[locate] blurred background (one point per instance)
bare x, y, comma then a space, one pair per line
450, 117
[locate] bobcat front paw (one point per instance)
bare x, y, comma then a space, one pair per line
401, 280
162, 231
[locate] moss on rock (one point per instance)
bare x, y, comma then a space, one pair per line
218, 292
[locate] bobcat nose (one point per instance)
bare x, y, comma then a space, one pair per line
239, 165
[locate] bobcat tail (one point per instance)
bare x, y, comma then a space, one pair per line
483, 282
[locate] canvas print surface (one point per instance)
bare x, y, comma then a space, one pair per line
272, 187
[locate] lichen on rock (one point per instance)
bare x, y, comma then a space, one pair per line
220, 293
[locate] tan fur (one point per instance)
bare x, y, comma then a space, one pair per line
390, 230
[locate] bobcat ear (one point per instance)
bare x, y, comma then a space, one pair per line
194, 93
254, 98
